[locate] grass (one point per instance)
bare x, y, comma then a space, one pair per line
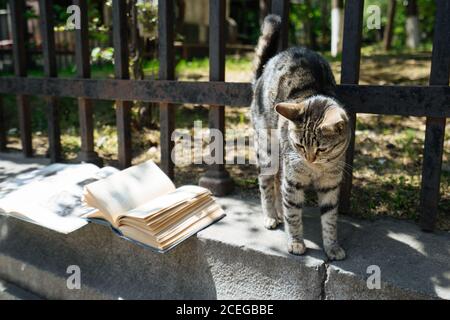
388, 154
387, 168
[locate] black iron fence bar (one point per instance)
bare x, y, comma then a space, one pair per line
435, 126
18, 28
123, 107
3, 124
50, 71
166, 72
85, 110
417, 101
351, 56
3, 129
281, 8
217, 179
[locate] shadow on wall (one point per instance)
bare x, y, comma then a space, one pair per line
37, 259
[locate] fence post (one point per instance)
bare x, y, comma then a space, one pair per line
123, 108
351, 56
281, 8
3, 125
50, 70
435, 127
18, 25
3, 128
82, 57
217, 178
166, 12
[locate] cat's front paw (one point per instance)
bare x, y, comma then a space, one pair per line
335, 252
270, 223
296, 247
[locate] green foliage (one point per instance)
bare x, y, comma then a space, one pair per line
426, 10
192, 64
426, 21
247, 19
373, 35
102, 55
97, 30
147, 19
310, 23
60, 14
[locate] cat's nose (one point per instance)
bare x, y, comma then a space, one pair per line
311, 157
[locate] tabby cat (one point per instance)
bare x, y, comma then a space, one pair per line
294, 93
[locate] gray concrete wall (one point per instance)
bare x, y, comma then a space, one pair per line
234, 259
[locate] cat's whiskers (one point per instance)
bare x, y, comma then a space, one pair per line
345, 167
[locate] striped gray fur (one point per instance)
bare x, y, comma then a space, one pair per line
294, 102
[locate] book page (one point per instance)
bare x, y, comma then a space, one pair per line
14, 183
128, 189
193, 228
166, 202
51, 197
168, 218
198, 214
140, 235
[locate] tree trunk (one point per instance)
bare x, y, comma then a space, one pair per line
390, 25
412, 25
337, 26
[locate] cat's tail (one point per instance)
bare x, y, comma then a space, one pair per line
267, 44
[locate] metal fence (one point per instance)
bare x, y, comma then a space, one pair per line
431, 101
64, 43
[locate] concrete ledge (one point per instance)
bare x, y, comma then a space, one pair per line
9, 291
233, 259
413, 264
342, 285
111, 268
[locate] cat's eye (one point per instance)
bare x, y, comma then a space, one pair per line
320, 150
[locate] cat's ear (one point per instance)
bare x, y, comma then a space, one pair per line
334, 122
289, 110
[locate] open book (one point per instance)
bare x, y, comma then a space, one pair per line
51, 196
142, 204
